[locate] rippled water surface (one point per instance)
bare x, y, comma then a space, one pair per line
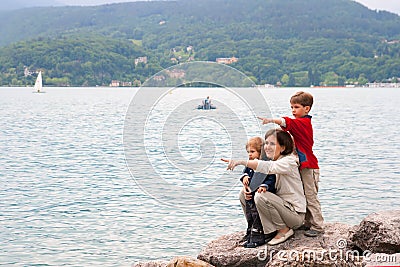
68, 198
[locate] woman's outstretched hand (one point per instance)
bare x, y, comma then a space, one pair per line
233, 163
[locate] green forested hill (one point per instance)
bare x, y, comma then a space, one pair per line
295, 42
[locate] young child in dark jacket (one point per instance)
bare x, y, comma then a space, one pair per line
253, 182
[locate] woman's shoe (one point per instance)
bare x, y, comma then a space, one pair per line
282, 238
270, 236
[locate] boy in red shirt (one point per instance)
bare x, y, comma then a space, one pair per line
301, 129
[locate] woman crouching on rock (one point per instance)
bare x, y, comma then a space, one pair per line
285, 210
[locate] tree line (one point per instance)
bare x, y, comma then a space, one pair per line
287, 42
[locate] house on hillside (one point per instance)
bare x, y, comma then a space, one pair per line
126, 84
27, 72
140, 60
226, 60
392, 41
159, 78
114, 83
176, 73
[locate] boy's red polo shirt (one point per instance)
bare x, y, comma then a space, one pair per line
302, 131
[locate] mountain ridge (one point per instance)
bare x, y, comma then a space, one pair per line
216, 11
271, 37
10, 5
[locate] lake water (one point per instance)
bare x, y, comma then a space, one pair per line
69, 199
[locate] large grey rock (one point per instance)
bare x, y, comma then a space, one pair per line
228, 251
185, 261
378, 233
179, 261
329, 249
372, 243
158, 263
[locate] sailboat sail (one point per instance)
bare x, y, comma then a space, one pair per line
38, 84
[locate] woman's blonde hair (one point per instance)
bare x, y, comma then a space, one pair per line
257, 143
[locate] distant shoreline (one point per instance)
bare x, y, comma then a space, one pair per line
369, 85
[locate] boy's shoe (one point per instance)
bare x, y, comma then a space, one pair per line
312, 233
245, 238
304, 227
253, 244
256, 239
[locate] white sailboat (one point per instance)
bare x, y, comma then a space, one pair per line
38, 84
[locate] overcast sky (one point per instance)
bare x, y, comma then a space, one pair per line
389, 5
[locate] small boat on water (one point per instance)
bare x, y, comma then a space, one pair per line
38, 88
206, 104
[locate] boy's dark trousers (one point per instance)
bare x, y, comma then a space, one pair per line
254, 226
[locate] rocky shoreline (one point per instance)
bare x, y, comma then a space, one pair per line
374, 242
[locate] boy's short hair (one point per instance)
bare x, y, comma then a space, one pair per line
302, 98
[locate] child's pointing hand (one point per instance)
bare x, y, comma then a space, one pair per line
265, 120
